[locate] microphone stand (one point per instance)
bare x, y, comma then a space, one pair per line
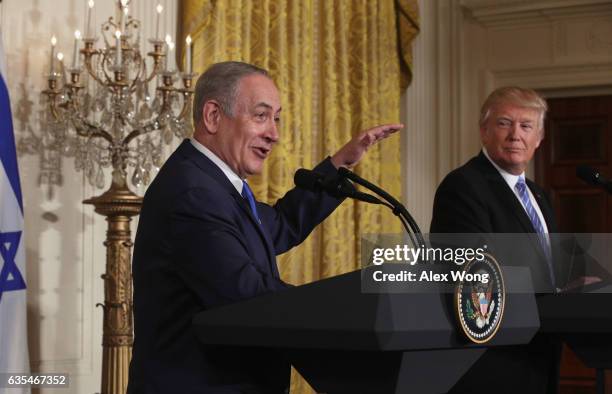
344, 188
396, 207
404, 223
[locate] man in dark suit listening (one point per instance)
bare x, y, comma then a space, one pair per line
203, 241
490, 194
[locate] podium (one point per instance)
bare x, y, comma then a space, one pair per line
584, 321
343, 340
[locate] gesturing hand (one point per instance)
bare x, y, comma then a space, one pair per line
350, 154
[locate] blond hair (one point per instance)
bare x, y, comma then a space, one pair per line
513, 95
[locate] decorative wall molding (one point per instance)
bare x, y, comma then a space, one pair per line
432, 107
503, 12
419, 138
599, 37
553, 77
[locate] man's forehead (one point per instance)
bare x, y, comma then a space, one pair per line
259, 90
265, 105
515, 112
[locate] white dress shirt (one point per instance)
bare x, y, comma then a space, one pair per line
511, 180
229, 173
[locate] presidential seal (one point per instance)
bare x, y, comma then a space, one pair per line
480, 295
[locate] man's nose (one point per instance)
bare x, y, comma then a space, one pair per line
514, 131
272, 135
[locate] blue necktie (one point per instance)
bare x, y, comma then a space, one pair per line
248, 195
521, 187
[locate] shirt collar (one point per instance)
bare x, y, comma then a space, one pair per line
510, 179
235, 180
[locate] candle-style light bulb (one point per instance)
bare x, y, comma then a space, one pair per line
52, 60
170, 45
88, 34
124, 18
159, 9
188, 55
118, 48
75, 54
170, 54
60, 59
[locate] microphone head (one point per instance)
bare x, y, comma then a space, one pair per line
307, 179
588, 174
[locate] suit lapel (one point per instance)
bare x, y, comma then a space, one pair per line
244, 205
189, 151
545, 207
210, 168
502, 191
508, 199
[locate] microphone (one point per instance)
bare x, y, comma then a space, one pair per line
339, 185
398, 208
333, 184
593, 177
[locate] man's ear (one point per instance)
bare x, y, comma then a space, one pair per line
541, 138
211, 116
483, 133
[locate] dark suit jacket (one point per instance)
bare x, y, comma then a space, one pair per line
198, 246
476, 199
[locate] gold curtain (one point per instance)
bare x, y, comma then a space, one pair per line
340, 67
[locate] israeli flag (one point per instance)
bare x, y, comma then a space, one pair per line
13, 326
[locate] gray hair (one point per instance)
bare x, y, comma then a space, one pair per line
220, 82
520, 97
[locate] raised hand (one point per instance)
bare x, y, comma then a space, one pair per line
352, 152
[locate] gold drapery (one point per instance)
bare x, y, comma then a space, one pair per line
340, 67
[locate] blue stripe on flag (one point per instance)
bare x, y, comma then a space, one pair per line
8, 154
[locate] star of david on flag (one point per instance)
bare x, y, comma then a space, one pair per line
13, 326
10, 277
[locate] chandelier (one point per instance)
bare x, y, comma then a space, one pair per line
115, 106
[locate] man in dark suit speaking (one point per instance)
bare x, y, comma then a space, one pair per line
490, 194
203, 241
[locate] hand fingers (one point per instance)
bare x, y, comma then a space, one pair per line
384, 131
388, 128
378, 133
